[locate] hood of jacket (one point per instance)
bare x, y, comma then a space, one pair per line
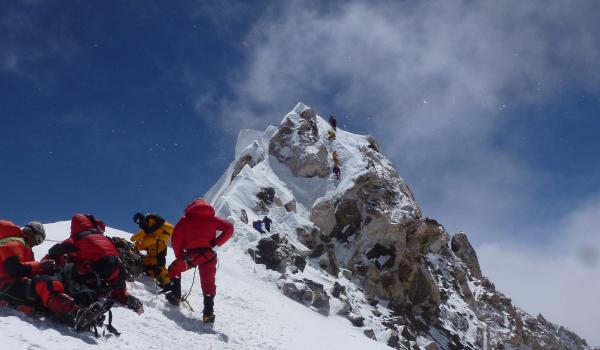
199, 208
81, 222
9, 229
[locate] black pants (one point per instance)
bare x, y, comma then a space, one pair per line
15, 293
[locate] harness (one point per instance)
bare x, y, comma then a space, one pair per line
202, 251
92, 231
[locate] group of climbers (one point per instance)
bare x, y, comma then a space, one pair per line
331, 137
258, 225
336, 170
88, 259
30, 285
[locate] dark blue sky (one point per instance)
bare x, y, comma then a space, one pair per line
97, 114
123, 106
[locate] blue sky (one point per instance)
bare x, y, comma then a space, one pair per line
98, 108
490, 111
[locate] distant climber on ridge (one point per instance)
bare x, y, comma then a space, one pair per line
333, 122
330, 135
267, 222
334, 157
95, 254
257, 225
337, 171
194, 243
26, 284
153, 237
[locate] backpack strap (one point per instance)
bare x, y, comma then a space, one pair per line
86, 233
158, 222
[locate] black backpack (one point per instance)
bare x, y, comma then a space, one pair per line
132, 259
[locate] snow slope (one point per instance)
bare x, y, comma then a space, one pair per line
251, 314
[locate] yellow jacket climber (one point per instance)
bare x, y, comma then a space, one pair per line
153, 237
334, 156
330, 135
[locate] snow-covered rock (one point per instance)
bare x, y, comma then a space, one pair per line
297, 144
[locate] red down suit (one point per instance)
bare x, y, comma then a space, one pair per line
91, 251
193, 240
21, 279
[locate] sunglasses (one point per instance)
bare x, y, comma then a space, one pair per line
38, 239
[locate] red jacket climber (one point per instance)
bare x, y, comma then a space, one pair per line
26, 284
92, 252
194, 243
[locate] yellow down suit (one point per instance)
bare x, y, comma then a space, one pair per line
153, 238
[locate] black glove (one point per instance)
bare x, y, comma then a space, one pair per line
48, 267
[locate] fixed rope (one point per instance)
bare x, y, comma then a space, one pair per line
185, 296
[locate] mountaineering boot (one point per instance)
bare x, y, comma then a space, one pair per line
174, 296
86, 317
163, 277
208, 314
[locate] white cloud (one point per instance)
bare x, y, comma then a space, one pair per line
561, 281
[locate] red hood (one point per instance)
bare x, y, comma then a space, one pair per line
8, 229
200, 207
80, 223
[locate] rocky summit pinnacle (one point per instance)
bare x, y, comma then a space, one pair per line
358, 246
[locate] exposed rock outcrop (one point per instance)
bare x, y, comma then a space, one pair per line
252, 155
277, 253
296, 144
306, 292
462, 248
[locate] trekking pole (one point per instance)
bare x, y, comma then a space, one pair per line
254, 259
155, 275
155, 289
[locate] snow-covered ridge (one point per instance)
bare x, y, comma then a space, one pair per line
264, 169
